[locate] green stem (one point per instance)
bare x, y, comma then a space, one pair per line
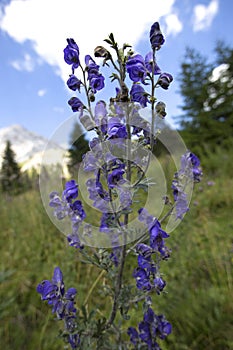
152, 104
93, 286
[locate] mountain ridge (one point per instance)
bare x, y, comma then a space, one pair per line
28, 146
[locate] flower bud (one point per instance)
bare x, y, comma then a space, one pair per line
156, 37
87, 122
165, 80
160, 109
100, 51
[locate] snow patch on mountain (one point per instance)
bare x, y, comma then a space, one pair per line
29, 148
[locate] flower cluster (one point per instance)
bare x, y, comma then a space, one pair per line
95, 78
189, 171
152, 328
140, 70
147, 273
66, 207
62, 303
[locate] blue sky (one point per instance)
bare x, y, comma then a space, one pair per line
33, 35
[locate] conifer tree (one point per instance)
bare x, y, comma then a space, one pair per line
79, 146
207, 91
10, 174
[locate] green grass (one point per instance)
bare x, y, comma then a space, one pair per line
198, 301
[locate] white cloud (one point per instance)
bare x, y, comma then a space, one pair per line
204, 15
25, 64
174, 25
47, 23
41, 92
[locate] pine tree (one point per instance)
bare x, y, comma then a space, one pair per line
10, 175
207, 116
79, 146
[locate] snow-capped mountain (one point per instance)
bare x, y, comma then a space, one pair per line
29, 147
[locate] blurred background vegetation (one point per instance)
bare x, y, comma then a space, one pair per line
198, 301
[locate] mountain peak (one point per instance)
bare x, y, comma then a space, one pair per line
24, 143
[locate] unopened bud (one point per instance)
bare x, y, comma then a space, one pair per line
100, 51
160, 109
87, 122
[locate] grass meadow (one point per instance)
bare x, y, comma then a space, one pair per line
199, 295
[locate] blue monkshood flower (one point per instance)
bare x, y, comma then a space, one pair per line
125, 196
159, 284
107, 222
150, 329
138, 123
67, 207
97, 83
156, 36
142, 277
76, 104
98, 195
116, 129
78, 213
62, 303
74, 83
91, 67
93, 159
134, 337
94, 142
138, 94
61, 210
153, 327
115, 176
71, 190
157, 236
174, 186
116, 250
100, 116
74, 241
190, 160
165, 80
189, 170
145, 217
149, 64
144, 262
114, 256
164, 327
181, 205
53, 291
180, 197
144, 250
74, 340
71, 54
136, 68
96, 79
